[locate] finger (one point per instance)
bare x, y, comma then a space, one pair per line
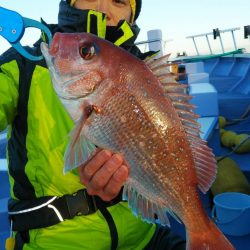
103, 175
114, 185
81, 167
89, 170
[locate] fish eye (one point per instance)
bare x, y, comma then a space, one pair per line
87, 51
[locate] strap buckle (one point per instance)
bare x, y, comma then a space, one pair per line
80, 203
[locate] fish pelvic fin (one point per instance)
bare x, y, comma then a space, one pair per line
79, 149
149, 211
211, 238
205, 163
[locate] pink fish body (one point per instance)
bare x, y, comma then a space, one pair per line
129, 106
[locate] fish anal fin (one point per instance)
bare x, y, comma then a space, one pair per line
149, 211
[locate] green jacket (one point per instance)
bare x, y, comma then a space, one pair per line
38, 128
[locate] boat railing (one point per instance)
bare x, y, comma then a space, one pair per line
216, 33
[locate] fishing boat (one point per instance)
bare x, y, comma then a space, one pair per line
220, 86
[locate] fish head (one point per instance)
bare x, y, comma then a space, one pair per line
74, 61
78, 63
83, 65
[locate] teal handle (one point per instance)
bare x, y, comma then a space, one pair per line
12, 27
35, 24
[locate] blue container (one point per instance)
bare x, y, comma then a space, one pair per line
232, 213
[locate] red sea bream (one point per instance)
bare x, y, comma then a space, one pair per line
135, 108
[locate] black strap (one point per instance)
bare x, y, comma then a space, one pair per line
69, 206
20, 239
112, 227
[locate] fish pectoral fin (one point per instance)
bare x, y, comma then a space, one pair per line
79, 150
149, 211
79, 153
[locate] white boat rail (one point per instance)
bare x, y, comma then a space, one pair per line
216, 33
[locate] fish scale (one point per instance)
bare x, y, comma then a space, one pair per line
119, 135
143, 151
137, 109
124, 135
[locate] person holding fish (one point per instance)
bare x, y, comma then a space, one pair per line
49, 209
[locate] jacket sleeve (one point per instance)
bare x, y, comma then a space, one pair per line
9, 81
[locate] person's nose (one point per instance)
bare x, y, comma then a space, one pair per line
104, 7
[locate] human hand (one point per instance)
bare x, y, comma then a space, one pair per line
104, 174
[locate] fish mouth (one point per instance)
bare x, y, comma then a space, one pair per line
60, 83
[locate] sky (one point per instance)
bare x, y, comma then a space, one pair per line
176, 20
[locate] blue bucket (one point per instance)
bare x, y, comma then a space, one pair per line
231, 212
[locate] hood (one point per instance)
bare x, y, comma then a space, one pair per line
72, 20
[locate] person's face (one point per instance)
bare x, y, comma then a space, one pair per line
115, 10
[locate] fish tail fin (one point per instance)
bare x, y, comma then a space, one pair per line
211, 238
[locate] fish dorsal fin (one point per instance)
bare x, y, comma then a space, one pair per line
161, 68
151, 60
168, 78
205, 163
172, 87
